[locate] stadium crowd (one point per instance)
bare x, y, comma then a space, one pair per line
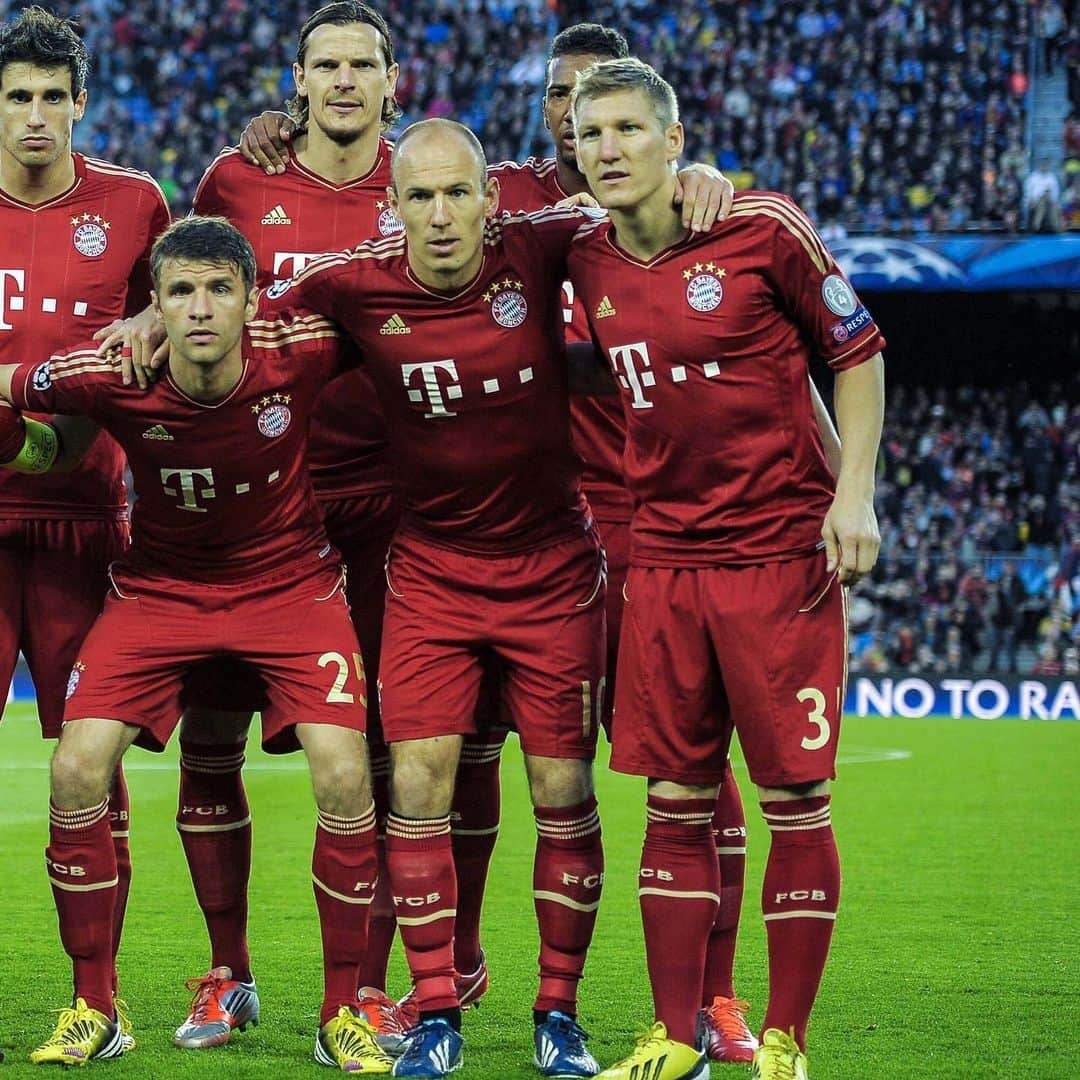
880, 116
979, 510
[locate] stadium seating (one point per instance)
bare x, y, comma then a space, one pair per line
874, 115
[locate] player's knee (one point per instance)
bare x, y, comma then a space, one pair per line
79, 777
559, 782
420, 787
809, 790
341, 781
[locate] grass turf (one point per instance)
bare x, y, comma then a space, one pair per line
955, 955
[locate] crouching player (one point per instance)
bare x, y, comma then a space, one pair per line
229, 558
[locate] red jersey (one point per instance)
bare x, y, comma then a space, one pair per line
597, 424
473, 383
223, 490
68, 267
710, 342
290, 220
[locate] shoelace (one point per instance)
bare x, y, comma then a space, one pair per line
355, 1036
123, 1019
415, 1049
729, 1017
73, 1027
780, 1063
207, 990
570, 1026
390, 1017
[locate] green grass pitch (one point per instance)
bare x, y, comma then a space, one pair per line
955, 956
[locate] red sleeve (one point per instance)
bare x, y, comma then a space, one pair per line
320, 343
326, 287
816, 293
549, 231
67, 383
140, 282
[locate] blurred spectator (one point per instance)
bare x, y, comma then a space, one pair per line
979, 511
1042, 199
1051, 32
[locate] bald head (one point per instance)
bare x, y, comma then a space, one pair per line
436, 138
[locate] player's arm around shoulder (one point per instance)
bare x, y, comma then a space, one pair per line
35, 446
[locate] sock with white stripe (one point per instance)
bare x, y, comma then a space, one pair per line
120, 826
729, 836
382, 923
799, 898
679, 891
343, 875
214, 823
81, 864
568, 874
421, 864
474, 829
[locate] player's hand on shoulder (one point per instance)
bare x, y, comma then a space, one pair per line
851, 536
582, 198
705, 195
141, 344
265, 141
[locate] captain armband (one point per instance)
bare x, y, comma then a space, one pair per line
40, 449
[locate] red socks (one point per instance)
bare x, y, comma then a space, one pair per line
567, 878
474, 827
81, 864
215, 827
800, 897
120, 826
382, 923
729, 836
421, 864
679, 890
343, 869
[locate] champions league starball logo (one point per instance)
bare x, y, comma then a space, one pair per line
273, 415
508, 304
878, 261
42, 377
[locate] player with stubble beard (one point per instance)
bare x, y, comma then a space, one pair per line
743, 545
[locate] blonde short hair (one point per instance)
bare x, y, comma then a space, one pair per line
611, 76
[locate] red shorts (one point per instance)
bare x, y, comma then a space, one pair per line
763, 648
53, 580
361, 529
539, 614
293, 631
616, 538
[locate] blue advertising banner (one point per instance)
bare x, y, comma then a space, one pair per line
985, 698
966, 263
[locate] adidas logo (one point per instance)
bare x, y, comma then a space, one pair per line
395, 325
605, 310
157, 432
277, 216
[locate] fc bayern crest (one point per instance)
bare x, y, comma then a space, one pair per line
389, 223
704, 292
508, 305
90, 239
273, 415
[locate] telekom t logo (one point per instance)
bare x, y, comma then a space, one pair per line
432, 391
291, 262
15, 303
633, 368
188, 488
